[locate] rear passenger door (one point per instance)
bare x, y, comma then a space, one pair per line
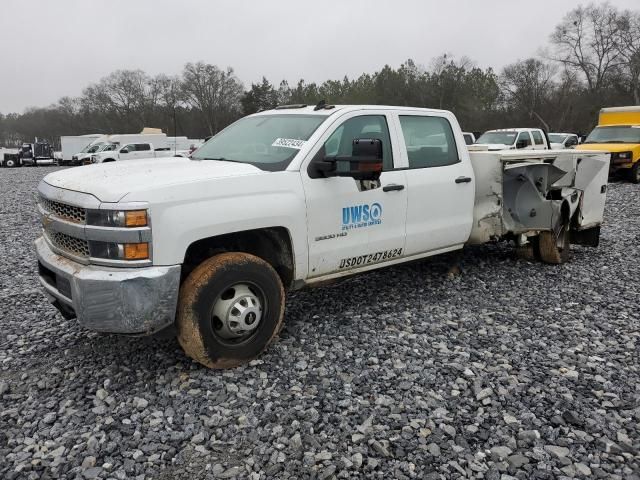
440, 183
538, 140
143, 150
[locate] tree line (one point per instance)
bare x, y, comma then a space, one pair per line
592, 60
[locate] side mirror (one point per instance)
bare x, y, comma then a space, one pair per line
521, 144
364, 163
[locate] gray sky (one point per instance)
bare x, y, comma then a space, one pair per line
49, 48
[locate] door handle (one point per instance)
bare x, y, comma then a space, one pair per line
463, 179
392, 188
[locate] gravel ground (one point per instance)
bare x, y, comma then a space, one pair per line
509, 370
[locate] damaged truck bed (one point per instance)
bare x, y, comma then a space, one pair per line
520, 195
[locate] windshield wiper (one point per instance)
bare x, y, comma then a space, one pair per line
221, 159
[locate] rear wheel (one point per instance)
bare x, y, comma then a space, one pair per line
634, 173
231, 308
554, 247
10, 163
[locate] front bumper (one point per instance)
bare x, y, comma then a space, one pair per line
116, 300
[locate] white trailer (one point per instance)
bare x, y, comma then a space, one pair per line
184, 143
74, 144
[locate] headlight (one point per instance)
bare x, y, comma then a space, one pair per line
621, 157
119, 251
118, 218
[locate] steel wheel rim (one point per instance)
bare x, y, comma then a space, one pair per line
238, 312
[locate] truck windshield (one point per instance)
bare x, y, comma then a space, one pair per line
267, 141
614, 135
557, 138
502, 138
92, 148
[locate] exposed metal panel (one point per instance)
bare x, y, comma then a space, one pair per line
591, 178
526, 188
487, 210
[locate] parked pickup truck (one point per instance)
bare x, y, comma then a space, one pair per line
514, 139
133, 151
293, 197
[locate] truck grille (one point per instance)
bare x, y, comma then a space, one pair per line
72, 245
64, 211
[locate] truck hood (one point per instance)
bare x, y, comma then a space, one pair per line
609, 147
110, 182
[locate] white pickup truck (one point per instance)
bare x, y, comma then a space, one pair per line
514, 139
287, 198
132, 151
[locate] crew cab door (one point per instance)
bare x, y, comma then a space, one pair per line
440, 183
143, 150
353, 224
128, 152
524, 142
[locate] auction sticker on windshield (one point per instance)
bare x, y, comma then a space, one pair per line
288, 143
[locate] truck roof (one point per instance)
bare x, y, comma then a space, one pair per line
329, 109
518, 129
621, 116
633, 108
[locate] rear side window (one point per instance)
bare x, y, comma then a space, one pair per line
429, 141
537, 137
142, 147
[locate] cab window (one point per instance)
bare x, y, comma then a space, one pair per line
142, 147
429, 141
537, 137
524, 137
130, 148
366, 126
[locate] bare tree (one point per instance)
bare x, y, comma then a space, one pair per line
586, 41
527, 85
215, 93
628, 43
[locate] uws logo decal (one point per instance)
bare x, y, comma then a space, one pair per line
360, 216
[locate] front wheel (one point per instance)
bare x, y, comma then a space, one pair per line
634, 173
555, 247
231, 307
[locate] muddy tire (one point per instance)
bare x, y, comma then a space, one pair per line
634, 173
231, 307
10, 163
553, 248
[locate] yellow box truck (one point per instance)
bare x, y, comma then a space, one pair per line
618, 132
